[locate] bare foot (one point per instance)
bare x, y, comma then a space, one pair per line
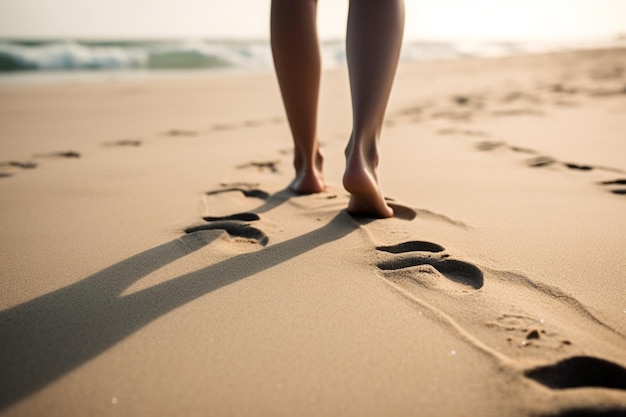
361, 182
309, 177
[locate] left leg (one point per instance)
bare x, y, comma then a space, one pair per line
296, 52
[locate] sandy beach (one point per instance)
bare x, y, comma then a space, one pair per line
152, 261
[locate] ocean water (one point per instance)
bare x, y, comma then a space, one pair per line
49, 61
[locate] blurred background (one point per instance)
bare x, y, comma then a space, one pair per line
44, 41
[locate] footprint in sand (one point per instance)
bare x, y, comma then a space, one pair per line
521, 96
518, 112
241, 198
487, 146
491, 145
580, 372
123, 142
610, 92
618, 191
525, 331
224, 126
181, 133
424, 264
544, 161
247, 123
235, 226
271, 166
563, 89
245, 217
453, 115
9, 167
588, 372
579, 167
462, 132
61, 154
248, 192
540, 161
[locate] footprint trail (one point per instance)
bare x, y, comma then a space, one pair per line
539, 324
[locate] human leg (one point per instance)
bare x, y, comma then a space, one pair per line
374, 38
295, 48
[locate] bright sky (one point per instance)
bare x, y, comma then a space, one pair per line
439, 19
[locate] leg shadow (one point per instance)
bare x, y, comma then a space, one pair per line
45, 338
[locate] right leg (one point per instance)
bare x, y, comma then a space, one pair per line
375, 29
295, 48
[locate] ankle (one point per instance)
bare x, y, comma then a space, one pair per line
308, 160
362, 152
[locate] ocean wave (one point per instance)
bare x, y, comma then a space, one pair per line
73, 55
66, 56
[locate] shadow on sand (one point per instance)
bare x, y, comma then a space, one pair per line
47, 337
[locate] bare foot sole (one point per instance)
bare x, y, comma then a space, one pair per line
364, 205
366, 198
309, 180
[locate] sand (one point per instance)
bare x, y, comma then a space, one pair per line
499, 289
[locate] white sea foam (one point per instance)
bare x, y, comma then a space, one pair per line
67, 56
131, 56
